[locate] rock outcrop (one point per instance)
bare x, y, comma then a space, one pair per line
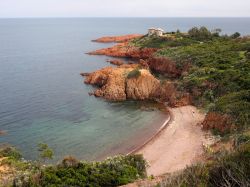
166, 66
218, 122
124, 38
157, 64
116, 86
143, 87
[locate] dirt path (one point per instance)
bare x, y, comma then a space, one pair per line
178, 144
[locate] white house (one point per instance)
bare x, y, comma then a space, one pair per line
154, 31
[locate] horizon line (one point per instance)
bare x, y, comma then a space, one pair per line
48, 17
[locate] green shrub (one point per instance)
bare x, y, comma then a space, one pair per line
236, 104
134, 74
115, 171
235, 35
201, 33
10, 152
232, 170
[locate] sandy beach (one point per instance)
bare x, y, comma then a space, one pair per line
178, 144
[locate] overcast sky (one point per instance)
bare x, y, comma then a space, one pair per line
124, 8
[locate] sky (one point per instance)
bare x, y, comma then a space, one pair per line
125, 8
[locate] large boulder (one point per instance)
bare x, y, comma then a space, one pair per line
116, 86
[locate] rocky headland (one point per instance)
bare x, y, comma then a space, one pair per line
116, 84
124, 38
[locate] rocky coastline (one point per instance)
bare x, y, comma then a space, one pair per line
135, 81
115, 84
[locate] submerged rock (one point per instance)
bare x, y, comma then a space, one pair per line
84, 74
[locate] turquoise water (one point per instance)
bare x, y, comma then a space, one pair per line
42, 95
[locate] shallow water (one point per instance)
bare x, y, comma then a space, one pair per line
42, 95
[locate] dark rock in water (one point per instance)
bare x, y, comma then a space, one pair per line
116, 62
84, 74
2, 133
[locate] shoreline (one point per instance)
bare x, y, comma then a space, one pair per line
142, 137
165, 124
178, 143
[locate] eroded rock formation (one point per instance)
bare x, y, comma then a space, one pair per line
116, 86
218, 122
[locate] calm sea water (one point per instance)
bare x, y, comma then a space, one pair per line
43, 98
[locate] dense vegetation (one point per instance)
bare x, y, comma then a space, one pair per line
114, 171
219, 81
219, 77
111, 172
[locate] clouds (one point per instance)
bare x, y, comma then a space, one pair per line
125, 8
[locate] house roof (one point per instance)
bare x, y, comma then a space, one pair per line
159, 29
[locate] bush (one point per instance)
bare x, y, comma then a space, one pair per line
237, 105
69, 162
201, 33
11, 153
134, 74
235, 35
232, 170
115, 171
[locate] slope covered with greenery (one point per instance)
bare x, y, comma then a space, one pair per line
114, 171
219, 73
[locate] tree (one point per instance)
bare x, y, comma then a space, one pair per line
45, 151
201, 33
235, 35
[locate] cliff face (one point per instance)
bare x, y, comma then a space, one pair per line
157, 64
142, 87
124, 38
163, 66
114, 84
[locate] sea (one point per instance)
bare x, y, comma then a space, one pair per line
43, 98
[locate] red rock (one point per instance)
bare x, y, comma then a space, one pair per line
118, 87
220, 122
84, 74
124, 38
